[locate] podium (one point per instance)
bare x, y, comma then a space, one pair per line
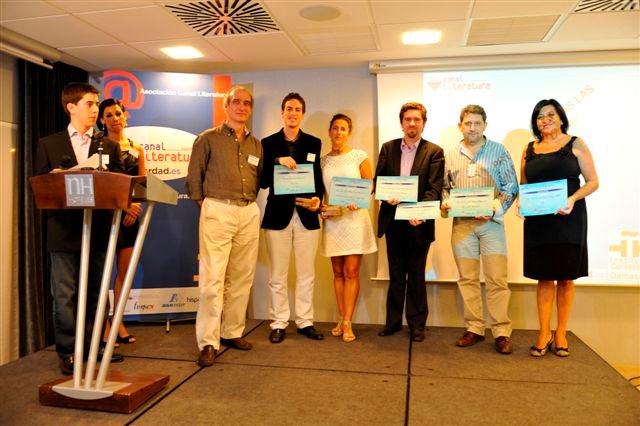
89, 190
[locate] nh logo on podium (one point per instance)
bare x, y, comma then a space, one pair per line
79, 190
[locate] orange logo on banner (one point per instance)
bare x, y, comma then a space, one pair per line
221, 85
132, 98
629, 244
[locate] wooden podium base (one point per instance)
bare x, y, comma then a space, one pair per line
137, 390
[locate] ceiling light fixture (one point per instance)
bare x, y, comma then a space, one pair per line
182, 52
421, 37
319, 13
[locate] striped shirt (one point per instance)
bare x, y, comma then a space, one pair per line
491, 166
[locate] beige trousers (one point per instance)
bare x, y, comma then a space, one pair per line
228, 241
476, 240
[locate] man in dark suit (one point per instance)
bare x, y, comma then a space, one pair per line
408, 241
289, 225
64, 150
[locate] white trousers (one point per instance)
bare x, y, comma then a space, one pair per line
228, 241
304, 243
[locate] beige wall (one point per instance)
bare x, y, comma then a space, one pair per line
8, 141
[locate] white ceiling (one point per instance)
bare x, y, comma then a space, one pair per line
102, 34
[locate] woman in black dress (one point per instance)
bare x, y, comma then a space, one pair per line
555, 245
113, 120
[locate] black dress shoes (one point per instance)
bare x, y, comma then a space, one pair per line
388, 331
417, 335
277, 335
66, 364
237, 343
207, 356
115, 357
310, 332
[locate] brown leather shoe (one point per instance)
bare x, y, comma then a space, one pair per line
503, 345
237, 343
469, 339
207, 356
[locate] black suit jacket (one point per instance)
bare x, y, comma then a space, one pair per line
64, 227
429, 166
279, 209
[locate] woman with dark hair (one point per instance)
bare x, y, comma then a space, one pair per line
555, 245
348, 234
113, 120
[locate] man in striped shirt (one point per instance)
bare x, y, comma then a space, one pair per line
479, 162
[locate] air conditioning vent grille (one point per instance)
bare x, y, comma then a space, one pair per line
224, 17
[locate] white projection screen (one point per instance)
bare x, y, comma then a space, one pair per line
602, 105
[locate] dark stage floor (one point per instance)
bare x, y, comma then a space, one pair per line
372, 381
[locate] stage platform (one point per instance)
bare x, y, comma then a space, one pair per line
372, 381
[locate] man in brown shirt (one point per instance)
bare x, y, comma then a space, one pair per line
223, 178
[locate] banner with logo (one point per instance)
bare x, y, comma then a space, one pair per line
165, 113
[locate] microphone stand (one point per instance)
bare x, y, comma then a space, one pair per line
101, 167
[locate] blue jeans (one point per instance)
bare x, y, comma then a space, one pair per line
65, 279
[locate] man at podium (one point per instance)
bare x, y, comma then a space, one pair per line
64, 150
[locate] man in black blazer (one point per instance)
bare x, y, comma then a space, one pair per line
64, 150
408, 241
290, 225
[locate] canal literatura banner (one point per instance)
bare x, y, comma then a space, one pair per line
165, 113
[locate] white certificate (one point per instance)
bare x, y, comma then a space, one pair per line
471, 202
422, 210
402, 188
345, 191
297, 181
543, 197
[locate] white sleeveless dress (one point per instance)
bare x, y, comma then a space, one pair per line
351, 233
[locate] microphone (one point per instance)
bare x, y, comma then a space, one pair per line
99, 136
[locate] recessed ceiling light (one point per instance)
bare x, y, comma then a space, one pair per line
182, 52
421, 37
319, 13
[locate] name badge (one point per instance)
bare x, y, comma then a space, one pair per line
253, 160
105, 159
471, 170
311, 157
134, 152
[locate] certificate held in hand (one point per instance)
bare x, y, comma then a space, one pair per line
423, 210
543, 198
297, 181
401, 188
345, 191
471, 202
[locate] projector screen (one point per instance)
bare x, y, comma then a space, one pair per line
600, 102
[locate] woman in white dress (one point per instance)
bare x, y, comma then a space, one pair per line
347, 233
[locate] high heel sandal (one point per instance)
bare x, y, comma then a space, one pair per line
128, 339
347, 332
562, 352
337, 330
538, 352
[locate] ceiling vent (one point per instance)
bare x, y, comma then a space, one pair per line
586, 6
224, 17
524, 29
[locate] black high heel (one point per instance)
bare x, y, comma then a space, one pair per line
538, 352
